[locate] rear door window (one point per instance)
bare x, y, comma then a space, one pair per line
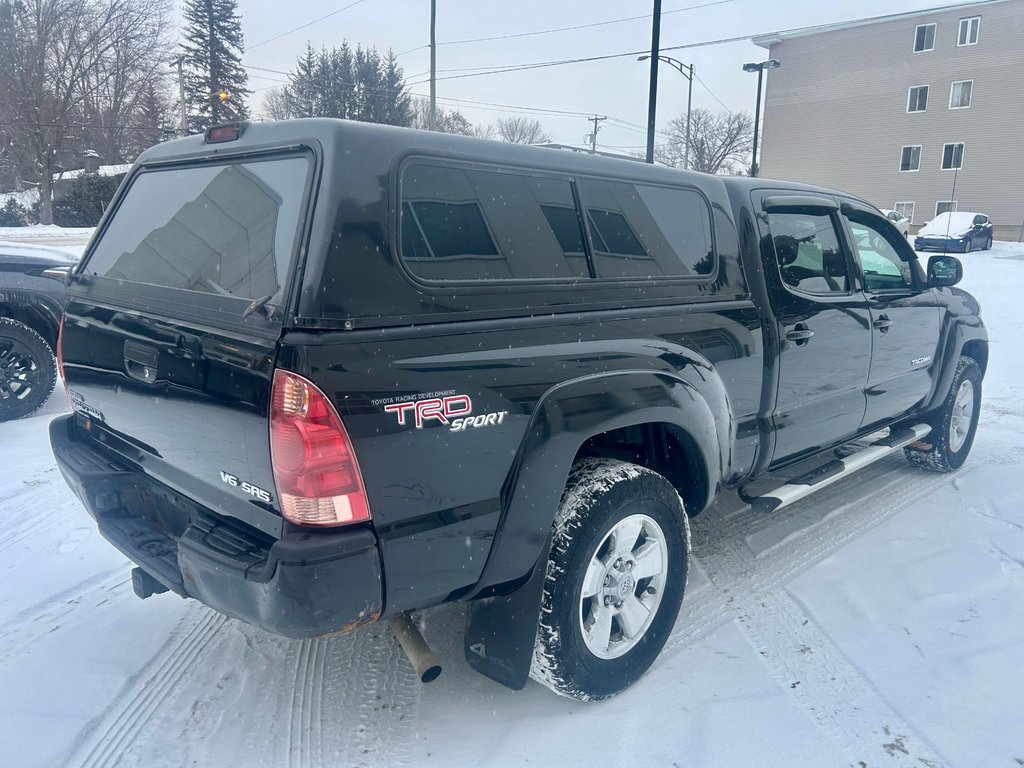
808, 253
222, 229
643, 231
468, 224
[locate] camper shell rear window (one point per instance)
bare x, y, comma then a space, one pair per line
225, 229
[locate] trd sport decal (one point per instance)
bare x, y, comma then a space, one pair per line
454, 411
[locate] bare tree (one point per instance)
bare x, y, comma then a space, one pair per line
521, 130
719, 143
277, 104
126, 90
446, 120
59, 60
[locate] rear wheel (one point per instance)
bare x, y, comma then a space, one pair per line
28, 371
954, 425
615, 579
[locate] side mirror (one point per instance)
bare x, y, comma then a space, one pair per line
944, 271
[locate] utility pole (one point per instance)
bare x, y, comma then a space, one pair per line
593, 137
758, 67
689, 106
652, 103
433, 66
757, 120
183, 125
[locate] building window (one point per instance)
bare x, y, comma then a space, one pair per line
906, 210
910, 158
917, 100
924, 38
945, 206
968, 32
960, 94
952, 156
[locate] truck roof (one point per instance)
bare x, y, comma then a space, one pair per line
339, 136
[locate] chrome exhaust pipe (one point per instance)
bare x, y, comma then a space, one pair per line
415, 647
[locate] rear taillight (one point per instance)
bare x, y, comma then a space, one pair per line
315, 468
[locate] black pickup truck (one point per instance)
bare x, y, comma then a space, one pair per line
326, 373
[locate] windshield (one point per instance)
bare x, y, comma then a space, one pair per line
222, 229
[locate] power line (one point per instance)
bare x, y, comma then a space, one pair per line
303, 26
567, 29
713, 96
265, 69
502, 69
516, 107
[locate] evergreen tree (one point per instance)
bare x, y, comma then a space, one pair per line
303, 85
212, 53
396, 103
354, 84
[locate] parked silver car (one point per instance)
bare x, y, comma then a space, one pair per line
901, 222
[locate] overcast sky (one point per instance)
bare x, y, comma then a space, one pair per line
615, 87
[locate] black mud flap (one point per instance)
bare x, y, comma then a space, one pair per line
501, 631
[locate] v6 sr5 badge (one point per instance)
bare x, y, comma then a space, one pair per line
453, 411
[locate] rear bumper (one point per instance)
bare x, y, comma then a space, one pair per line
301, 585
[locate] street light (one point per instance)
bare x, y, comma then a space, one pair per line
758, 67
686, 70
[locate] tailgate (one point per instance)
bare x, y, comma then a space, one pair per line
172, 323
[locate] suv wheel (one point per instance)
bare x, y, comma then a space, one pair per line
28, 371
615, 579
955, 424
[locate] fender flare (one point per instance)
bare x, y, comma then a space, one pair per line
694, 400
44, 311
964, 330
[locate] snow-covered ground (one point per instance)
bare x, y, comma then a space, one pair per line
879, 623
49, 234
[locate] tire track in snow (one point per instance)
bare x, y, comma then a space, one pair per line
305, 724
27, 626
354, 700
144, 693
750, 589
379, 716
854, 514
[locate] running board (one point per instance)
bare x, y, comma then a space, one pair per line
837, 469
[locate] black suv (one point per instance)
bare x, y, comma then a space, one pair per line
31, 297
326, 373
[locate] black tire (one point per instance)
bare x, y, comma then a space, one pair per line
28, 371
950, 446
969, 245
600, 495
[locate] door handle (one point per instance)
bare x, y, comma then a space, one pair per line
882, 323
800, 334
